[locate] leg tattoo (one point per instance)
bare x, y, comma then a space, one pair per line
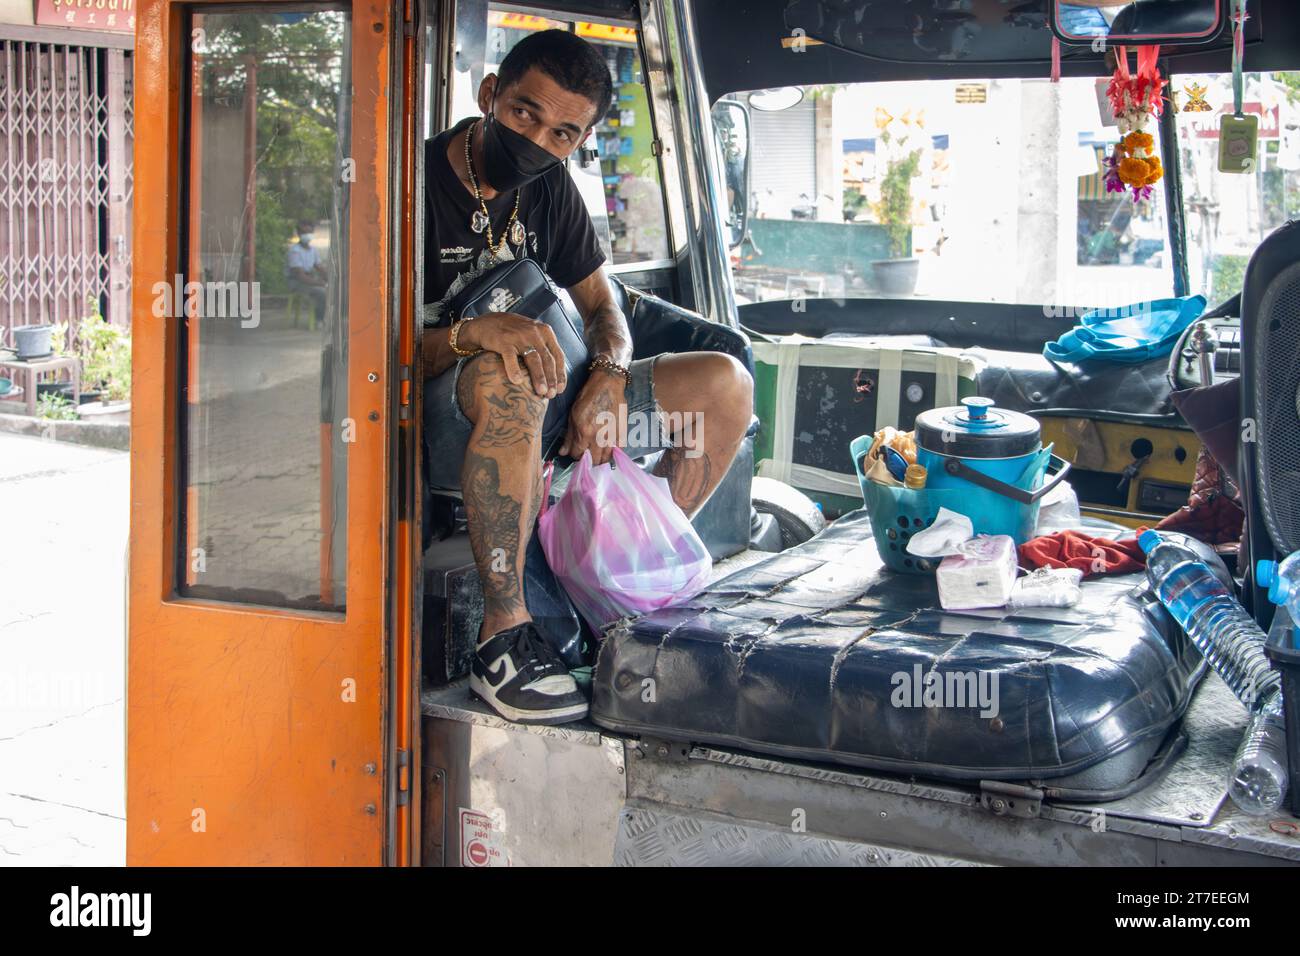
688, 478
493, 535
501, 484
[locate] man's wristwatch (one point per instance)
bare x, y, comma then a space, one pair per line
612, 367
451, 340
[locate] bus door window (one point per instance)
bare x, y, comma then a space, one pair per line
264, 298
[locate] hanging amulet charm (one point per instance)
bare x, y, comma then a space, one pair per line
479, 221
517, 233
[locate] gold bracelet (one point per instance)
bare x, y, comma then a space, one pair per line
451, 340
611, 366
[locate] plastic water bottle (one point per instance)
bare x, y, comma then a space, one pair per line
1283, 582
1259, 779
1233, 644
1227, 637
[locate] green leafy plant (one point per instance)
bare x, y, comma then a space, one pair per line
105, 355
894, 210
59, 339
299, 147
55, 407
1228, 272
854, 203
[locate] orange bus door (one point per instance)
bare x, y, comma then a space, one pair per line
264, 699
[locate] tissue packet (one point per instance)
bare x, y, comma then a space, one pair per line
981, 575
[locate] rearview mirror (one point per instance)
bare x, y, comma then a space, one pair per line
1164, 22
775, 100
731, 132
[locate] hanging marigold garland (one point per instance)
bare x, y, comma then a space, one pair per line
1135, 98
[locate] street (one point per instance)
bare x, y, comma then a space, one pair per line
64, 511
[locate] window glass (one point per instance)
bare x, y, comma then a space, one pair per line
263, 306
1229, 213
621, 186
981, 191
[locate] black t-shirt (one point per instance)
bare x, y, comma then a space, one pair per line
558, 231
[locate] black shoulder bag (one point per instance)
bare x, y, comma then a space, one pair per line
520, 286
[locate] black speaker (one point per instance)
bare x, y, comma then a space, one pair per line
1270, 403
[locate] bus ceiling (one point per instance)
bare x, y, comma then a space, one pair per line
760, 44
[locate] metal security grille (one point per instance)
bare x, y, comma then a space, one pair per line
66, 129
1277, 405
785, 159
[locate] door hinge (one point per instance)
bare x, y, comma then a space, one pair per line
404, 393
656, 147
403, 778
660, 749
1010, 800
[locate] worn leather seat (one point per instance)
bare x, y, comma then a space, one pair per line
801, 654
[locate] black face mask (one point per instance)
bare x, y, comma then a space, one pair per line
511, 159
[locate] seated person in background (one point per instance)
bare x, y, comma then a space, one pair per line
497, 189
307, 274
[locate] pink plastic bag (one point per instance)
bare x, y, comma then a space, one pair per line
619, 544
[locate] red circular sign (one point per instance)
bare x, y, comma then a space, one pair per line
477, 853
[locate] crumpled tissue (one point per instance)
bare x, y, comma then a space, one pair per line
946, 534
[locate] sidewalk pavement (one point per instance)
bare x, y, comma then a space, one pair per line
63, 534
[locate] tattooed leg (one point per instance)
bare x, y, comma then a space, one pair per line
501, 482
689, 479
707, 397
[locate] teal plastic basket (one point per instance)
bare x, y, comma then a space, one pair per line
899, 513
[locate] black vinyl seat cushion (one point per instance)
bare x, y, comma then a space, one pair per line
797, 656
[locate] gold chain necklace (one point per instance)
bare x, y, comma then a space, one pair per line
481, 221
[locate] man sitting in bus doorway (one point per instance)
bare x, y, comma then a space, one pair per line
497, 188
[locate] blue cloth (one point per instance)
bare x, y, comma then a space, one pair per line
1131, 334
1081, 21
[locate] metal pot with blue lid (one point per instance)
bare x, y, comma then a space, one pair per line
997, 456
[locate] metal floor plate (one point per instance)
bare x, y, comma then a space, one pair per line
652, 836
1195, 787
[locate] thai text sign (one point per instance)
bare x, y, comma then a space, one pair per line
114, 15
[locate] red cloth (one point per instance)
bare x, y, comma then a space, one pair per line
1069, 549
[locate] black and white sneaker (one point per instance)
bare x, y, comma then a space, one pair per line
516, 673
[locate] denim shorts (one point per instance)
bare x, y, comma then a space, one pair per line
447, 430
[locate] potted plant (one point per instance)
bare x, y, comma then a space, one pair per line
105, 366
59, 347
897, 275
854, 203
55, 407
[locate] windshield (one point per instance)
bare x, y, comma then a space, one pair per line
979, 191
1229, 213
